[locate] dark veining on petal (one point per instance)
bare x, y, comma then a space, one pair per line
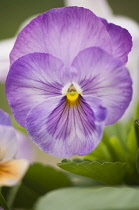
67, 118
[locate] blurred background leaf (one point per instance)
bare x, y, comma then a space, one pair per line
137, 163
38, 180
106, 198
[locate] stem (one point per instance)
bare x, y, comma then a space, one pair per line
3, 202
136, 125
12, 194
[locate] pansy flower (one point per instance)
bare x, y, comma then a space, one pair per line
11, 169
68, 79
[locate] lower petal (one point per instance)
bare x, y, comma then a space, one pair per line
12, 171
8, 143
63, 130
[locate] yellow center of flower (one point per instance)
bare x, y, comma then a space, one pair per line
72, 94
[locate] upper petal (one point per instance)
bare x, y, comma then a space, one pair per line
121, 40
32, 79
63, 130
62, 32
104, 77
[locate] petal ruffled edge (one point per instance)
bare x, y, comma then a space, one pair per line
121, 40
62, 32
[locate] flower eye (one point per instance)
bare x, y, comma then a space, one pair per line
72, 97
72, 94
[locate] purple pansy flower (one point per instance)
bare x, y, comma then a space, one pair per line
11, 169
68, 79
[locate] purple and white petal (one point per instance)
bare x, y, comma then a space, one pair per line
25, 148
8, 143
32, 79
121, 40
104, 77
4, 118
62, 32
63, 130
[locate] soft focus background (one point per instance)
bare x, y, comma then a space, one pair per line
14, 12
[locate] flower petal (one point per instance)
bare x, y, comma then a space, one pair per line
62, 32
32, 79
25, 148
8, 142
104, 77
12, 171
121, 40
4, 118
63, 130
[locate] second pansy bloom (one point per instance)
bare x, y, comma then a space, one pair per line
71, 81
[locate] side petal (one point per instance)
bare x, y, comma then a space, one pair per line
12, 171
25, 148
63, 130
8, 143
4, 118
121, 40
32, 79
62, 32
104, 77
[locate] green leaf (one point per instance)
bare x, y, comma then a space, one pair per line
38, 180
132, 145
3, 202
43, 178
104, 198
107, 172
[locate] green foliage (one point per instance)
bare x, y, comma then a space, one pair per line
107, 172
38, 180
114, 159
101, 153
136, 116
106, 198
136, 123
3, 202
137, 163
